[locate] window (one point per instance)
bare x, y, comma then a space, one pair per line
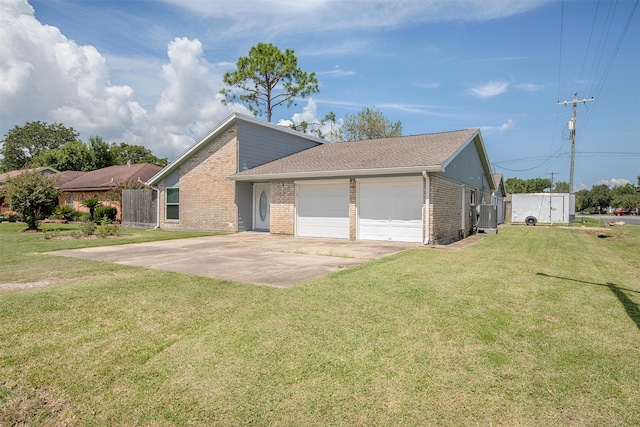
70, 200
473, 197
173, 203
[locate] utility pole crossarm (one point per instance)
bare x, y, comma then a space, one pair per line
576, 101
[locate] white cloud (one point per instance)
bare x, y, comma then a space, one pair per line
331, 15
490, 130
45, 76
529, 87
614, 182
309, 115
489, 89
336, 72
432, 84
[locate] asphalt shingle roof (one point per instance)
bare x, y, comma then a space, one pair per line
405, 151
110, 177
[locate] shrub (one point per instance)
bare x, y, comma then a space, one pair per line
88, 228
65, 212
107, 230
50, 234
91, 203
108, 212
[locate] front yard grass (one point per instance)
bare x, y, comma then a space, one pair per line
533, 326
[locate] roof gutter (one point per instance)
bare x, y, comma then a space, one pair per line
336, 173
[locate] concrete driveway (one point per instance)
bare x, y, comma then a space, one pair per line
259, 258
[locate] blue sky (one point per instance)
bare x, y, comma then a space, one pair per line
148, 72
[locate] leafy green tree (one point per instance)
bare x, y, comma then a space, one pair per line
561, 187
600, 195
91, 203
31, 194
72, 156
369, 123
100, 152
533, 185
22, 143
515, 185
123, 153
266, 79
583, 200
625, 196
327, 128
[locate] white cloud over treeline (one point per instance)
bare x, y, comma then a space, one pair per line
46, 76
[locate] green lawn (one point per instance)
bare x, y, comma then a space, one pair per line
533, 326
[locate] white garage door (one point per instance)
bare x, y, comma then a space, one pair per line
390, 210
323, 209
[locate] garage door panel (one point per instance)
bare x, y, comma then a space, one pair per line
390, 211
323, 210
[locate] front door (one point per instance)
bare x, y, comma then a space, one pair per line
261, 204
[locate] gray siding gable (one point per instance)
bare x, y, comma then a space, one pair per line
259, 145
467, 168
271, 142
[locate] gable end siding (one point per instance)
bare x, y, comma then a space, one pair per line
467, 168
261, 145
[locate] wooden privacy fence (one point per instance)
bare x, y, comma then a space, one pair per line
139, 208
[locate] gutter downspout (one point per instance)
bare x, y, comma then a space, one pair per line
426, 207
157, 190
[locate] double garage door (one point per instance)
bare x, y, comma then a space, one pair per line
387, 210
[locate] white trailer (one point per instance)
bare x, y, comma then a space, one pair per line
542, 207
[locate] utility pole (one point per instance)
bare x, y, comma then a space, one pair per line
572, 128
552, 174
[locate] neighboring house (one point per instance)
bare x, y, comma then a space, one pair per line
250, 175
101, 183
4, 205
498, 196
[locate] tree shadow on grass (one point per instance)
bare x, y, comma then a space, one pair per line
632, 309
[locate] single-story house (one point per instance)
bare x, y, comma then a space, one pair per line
498, 195
103, 184
247, 174
44, 170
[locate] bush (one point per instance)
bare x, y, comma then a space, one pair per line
65, 212
108, 212
107, 230
84, 217
50, 234
88, 228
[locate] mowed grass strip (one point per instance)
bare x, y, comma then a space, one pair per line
534, 326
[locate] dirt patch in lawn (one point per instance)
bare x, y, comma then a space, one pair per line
26, 285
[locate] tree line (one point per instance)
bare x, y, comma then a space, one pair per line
602, 196
41, 144
598, 197
534, 185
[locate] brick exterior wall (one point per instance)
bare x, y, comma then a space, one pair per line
282, 214
353, 214
446, 213
207, 197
